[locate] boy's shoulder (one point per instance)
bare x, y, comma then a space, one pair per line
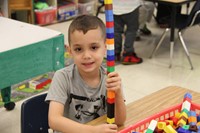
66, 70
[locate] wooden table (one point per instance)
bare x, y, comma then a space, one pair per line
152, 104
27, 51
174, 4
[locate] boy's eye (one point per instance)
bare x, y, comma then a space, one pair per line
77, 49
94, 47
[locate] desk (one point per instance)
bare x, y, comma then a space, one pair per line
173, 4
27, 51
151, 104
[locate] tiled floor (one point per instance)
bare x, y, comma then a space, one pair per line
143, 79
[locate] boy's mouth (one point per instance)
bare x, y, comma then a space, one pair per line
88, 64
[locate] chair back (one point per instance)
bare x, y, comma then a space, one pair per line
192, 15
34, 115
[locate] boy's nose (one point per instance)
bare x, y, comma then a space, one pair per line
86, 55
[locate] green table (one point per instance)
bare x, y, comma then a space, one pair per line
26, 51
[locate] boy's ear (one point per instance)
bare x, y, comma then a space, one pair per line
68, 49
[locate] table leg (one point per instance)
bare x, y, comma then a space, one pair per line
6, 95
173, 22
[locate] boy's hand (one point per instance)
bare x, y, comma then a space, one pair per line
113, 82
106, 128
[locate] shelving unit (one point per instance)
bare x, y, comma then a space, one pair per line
50, 16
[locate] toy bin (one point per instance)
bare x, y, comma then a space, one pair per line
45, 16
67, 10
86, 8
142, 125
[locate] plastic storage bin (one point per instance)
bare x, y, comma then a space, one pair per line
163, 115
67, 10
46, 16
86, 8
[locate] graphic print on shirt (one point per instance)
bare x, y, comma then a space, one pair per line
87, 107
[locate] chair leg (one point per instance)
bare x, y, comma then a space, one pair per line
160, 42
99, 8
185, 48
171, 53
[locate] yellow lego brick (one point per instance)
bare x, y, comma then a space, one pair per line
22, 86
108, 1
111, 121
161, 125
170, 122
183, 114
177, 114
181, 122
169, 129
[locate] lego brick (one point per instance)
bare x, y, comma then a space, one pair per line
110, 69
152, 125
110, 110
110, 58
110, 35
110, 30
110, 41
109, 18
110, 121
111, 52
110, 100
109, 12
110, 24
110, 63
169, 129
108, 1
108, 7
111, 94
186, 105
161, 125
110, 47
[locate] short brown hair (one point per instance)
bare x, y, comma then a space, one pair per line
85, 23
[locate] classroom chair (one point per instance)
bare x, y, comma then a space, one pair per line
34, 115
183, 22
101, 2
21, 5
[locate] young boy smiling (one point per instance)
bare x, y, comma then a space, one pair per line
78, 92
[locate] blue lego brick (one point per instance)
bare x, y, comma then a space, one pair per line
198, 118
111, 52
192, 113
110, 57
110, 35
109, 18
110, 30
109, 12
188, 95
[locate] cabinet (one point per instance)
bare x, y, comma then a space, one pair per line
60, 10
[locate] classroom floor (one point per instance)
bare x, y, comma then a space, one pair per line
142, 79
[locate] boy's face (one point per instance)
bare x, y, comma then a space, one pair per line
87, 50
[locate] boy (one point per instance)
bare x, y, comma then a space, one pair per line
78, 92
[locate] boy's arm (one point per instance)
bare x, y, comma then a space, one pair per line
60, 123
120, 108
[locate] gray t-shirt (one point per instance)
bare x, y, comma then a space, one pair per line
82, 103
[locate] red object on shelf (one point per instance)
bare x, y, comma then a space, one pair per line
45, 16
163, 115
